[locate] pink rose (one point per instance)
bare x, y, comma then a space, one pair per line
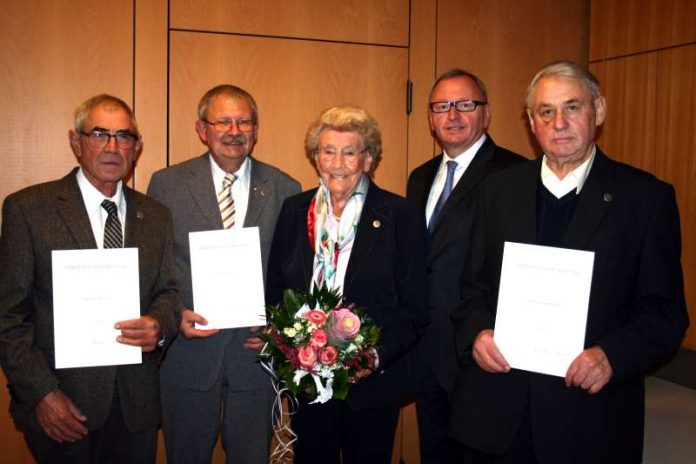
318, 338
343, 325
316, 317
328, 355
307, 356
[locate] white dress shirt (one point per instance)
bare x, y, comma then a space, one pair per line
97, 215
240, 188
573, 180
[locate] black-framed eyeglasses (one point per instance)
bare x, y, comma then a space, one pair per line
244, 125
463, 106
347, 152
100, 139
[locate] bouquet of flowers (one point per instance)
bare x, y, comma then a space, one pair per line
316, 346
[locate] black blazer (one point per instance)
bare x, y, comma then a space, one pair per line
637, 314
446, 250
385, 275
52, 216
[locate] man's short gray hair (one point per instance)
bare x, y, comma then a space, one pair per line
567, 69
454, 73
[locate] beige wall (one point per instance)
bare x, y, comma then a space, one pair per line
299, 56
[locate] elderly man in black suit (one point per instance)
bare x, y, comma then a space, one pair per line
93, 414
578, 198
444, 189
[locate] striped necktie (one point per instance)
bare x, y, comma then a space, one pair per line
113, 235
226, 201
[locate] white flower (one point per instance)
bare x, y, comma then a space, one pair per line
297, 326
359, 339
289, 331
351, 348
301, 312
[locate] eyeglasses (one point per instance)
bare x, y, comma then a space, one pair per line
244, 125
347, 152
462, 106
100, 139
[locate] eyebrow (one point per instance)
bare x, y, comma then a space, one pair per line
117, 131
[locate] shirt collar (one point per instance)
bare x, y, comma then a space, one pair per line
219, 174
464, 158
93, 198
573, 180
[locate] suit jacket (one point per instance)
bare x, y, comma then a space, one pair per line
187, 188
446, 250
636, 314
385, 276
52, 216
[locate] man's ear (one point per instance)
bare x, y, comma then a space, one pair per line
202, 132
74, 139
600, 110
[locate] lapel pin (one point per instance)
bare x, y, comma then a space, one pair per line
607, 197
139, 215
376, 224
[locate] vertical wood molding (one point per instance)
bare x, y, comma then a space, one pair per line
151, 42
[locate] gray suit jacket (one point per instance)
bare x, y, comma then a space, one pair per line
187, 188
52, 216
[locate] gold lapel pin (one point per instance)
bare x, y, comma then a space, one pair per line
376, 224
139, 215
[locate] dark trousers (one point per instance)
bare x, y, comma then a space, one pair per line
327, 431
112, 443
433, 406
520, 452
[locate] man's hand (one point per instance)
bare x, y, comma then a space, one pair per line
144, 332
253, 342
188, 329
487, 355
590, 371
60, 418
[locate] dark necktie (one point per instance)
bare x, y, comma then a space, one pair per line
446, 190
113, 236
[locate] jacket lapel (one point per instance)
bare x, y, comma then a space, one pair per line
521, 213
307, 256
595, 200
134, 219
204, 193
259, 192
71, 208
373, 221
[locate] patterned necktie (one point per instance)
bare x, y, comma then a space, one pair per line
226, 201
446, 190
113, 235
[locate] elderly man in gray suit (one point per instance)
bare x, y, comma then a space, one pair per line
211, 383
105, 414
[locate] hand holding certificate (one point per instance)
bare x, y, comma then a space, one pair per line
227, 278
542, 306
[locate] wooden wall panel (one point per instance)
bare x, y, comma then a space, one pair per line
54, 55
623, 27
628, 133
675, 147
364, 21
292, 82
505, 42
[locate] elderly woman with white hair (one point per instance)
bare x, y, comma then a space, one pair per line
369, 244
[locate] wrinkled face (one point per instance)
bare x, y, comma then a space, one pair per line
454, 130
105, 166
338, 168
564, 118
229, 147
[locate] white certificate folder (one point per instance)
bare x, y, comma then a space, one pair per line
227, 277
92, 290
542, 306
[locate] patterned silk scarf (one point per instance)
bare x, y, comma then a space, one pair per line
328, 246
